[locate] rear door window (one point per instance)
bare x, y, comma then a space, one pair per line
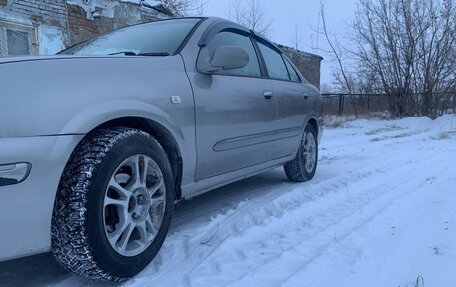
293, 74
274, 62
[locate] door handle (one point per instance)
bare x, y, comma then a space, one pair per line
306, 96
268, 95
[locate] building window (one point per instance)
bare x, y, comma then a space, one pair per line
17, 39
18, 42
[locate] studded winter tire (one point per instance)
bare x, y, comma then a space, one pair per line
113, 206
303, 166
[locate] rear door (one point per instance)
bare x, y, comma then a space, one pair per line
235, 113
293, 101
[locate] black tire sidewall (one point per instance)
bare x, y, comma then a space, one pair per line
104, 255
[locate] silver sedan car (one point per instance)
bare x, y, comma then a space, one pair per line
98, 142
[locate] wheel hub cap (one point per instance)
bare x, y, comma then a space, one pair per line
139, 204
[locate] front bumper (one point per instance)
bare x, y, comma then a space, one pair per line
26, 207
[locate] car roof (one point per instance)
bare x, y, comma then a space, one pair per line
223, 23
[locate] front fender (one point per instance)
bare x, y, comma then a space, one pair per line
101, 113
178, 122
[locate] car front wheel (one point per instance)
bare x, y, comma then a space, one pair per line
114, 205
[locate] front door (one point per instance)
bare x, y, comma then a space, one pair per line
235, 114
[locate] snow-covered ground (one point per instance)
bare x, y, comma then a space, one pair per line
381, 211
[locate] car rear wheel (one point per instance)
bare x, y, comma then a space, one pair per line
303, 166
113, 206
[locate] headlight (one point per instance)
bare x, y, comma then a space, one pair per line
14, 173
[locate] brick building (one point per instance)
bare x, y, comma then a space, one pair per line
308, 64
47, 26
43, 27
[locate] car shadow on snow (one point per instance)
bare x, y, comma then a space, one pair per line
39, 270
42, 270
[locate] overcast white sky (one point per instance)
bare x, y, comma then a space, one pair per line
286, 14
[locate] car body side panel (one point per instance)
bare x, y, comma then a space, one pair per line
190, 56
235, 123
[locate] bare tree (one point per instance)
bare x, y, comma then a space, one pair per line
236, 12
184, 7
252, 14
341, 74
409, 46
345, 81
296, 40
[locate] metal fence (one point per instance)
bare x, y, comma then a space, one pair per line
367, 104
354, 104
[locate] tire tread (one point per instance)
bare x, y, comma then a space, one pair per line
69, 244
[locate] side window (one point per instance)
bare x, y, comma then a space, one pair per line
274, 63
293, 75
228, 38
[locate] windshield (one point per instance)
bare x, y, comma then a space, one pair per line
159, 38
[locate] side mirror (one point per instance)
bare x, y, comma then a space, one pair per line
224, 58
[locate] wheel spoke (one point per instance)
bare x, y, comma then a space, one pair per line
123, 202
122, 226
157, 210
142, 241
158, 200
145, 236
157, 187
306, 150
157, 204
309, 138
150, 225
144, 170
123, 243
123, 192
136, 170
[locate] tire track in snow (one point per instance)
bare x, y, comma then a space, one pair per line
413, 206
197, 256
349, 210
238, 226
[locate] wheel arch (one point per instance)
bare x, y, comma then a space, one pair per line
164, 137
162, 134
138, 115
